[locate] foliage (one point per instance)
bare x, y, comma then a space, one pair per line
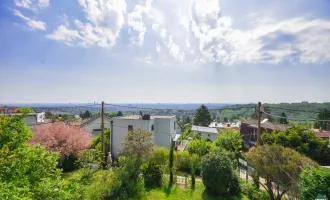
171, 159
26, 172
185, 132
152, 175
283, 119
192, 167
138, 146
48, 115
85, 115
202, 116
324, 115
218, 175
314, 181
230, 140
301, 140
200, 147
97, 141
279, 165
187, 120
89, 159
159, 156
252, 193
183, 162
119, 113
225, 119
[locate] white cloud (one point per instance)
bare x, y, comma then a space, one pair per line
34, 5
32, 23
174, 50
158, 48
137, 28
106, 18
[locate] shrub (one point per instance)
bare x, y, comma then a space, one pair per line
183, 162
217, 173
152, 175
251, 192
314, 181
160, 156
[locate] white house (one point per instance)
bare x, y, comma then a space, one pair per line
31, 118
163, 129
206, 132
93, 125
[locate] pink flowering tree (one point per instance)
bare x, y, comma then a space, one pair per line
68, 141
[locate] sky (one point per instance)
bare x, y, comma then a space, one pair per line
164, 51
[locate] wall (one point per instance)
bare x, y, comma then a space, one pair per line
163, 131
206, 135
30, 120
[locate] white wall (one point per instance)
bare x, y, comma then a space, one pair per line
206, 135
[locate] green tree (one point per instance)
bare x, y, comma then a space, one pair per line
279, 165
202, 116
324, 115
187, 120
26, 172
218, 175
200, 147
85, 115
138, 146
171, 160
301, 140
192, 171
225, 119
283, 119
152, 175
230, 140
48, 115
314, 181
119, 114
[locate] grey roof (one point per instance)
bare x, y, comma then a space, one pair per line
138, 117
92, 119
267, 125
204, 129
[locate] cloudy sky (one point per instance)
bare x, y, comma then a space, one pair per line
228, 51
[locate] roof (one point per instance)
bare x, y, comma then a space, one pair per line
29, 114
267, 125
323, 134
92, 119
138, 117
204, 129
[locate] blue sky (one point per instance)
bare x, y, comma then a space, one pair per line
186, 51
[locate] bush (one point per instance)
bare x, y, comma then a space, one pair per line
314, 181
152, 175
183, 162
251, 192
217, 174
160, 156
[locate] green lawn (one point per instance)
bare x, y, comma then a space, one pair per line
177, 193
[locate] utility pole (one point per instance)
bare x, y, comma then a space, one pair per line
259, 125
102, 129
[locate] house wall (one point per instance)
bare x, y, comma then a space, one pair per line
120, 129
96, 124
164, 129
206, 135
30, 120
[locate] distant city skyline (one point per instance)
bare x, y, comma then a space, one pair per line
186, 51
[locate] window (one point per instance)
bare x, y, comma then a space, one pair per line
174, 125
130, 127
152, 127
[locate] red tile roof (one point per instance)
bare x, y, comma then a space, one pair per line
323, 134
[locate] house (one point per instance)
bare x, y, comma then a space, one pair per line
93, 125
31, 118
163, 129
8, 110
322, 134
249, 129
206, 132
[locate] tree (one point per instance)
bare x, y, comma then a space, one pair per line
192, 163
279, 165
138, 146
303, 141
225, 119
314, 181
283, 119
152, 175
202, 116
218, 175
200, 147
85, 115
97, 141
230, 140
324, 115
48, 115
119, 113
68, 141
26, 172
171, 160
187, 120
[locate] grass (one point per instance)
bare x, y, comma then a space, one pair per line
175, 193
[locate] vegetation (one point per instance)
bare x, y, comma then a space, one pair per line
279, 165
314, 181
171, 160
217, 174
202, 116
303, 141
200, 147
230, 140
324, 115
85, 115
152, 175
68, 141
283, 119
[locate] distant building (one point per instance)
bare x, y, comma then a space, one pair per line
205, 132
93, 125
8, 110
163, 129
322, 134
249, 128
31, 119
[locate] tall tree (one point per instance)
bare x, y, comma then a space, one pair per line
280, 165
171, 160
225, 119
119, 114
138, 147
187, 120
230, 140
324, 115
85, 115
202, 116
283, 119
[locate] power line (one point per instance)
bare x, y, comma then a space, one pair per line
293, 119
